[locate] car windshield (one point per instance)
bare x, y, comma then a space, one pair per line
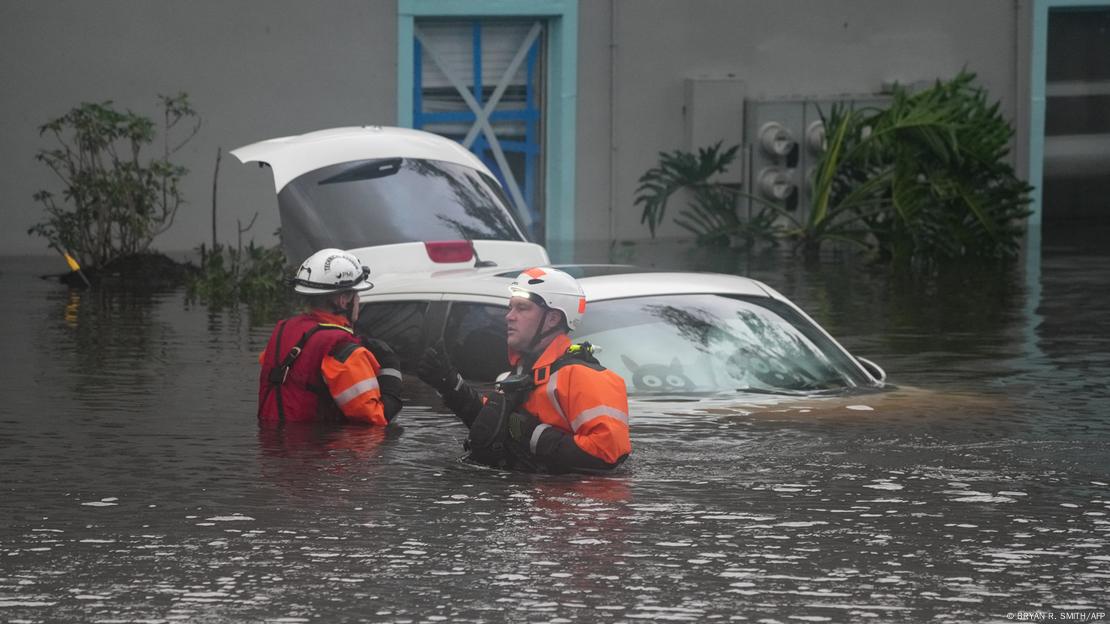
395, 200
715, 343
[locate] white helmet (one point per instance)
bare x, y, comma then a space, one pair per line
553, 289
331, 271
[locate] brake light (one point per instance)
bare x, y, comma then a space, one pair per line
449, 251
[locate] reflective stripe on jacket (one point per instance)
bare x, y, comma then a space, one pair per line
333, 377
590, 404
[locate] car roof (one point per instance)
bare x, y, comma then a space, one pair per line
599, 282
293, 156
619, 286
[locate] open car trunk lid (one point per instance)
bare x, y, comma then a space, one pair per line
366, 187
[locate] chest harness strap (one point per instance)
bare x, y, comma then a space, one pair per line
280, 373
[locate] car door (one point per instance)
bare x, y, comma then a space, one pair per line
404, 324
471, 328
474, 335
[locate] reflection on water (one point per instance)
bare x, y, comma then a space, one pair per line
136, 486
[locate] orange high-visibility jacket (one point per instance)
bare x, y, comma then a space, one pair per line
590, 404
333, 376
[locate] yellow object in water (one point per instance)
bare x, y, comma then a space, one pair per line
72, 262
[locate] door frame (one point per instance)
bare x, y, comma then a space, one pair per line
561, 100
1038, 80
1038, 85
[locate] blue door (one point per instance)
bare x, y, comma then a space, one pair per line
479, 82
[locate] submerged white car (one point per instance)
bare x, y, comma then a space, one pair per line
443, 244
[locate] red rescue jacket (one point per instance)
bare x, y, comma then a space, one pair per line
302, 394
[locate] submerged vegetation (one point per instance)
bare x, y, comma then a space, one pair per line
924, 180
115, 200
254, 275
115, 197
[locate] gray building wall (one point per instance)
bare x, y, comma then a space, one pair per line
257, 70
254, 70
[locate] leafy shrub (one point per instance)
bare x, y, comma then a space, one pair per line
114, 201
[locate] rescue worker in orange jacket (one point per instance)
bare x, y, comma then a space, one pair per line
559, 410
314, 368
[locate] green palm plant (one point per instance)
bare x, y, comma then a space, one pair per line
711, 214
839, 205
949, 191
925, 179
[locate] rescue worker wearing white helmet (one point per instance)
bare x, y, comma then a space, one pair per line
314, 368
559, 409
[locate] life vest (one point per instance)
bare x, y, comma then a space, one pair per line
573, 392
290, 386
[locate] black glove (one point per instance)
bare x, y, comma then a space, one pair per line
389, 376
486, 443
435, 369
521, 427
385, 355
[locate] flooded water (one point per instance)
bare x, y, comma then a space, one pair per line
136, 486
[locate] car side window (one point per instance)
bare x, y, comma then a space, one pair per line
399, 323
475, 339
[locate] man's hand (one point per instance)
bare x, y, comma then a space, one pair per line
389, 375
521, 427
383, 353
435, 369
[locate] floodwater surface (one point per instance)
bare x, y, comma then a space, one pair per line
137, 487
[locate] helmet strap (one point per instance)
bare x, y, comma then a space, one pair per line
540, 335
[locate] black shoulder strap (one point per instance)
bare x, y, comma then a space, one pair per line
343, 350
280, 372
272, 387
